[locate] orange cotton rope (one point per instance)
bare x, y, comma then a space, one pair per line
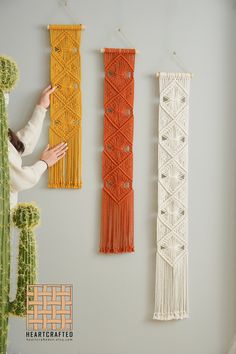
65, 109
117, 232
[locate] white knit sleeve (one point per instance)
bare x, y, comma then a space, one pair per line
30, 134
23, 177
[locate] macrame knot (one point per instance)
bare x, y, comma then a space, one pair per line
26, 216
9, 74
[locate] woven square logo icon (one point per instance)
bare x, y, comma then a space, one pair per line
49, 307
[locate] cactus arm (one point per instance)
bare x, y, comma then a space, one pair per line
25, 216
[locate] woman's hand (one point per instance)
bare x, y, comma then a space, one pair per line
51, 156
45, 96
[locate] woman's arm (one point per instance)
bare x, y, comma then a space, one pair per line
30, 134
25, 177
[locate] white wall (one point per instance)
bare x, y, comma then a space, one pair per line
114, 295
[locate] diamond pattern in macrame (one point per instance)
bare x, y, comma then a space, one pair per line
118, 125
118, 147
118, 111
119, 73
117, 185
66, 76
172, 248
172, 212
172, 176
173, 99
173, 138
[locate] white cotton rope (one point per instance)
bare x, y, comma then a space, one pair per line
171, 288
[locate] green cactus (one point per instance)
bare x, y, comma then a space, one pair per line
24, 216
9, 74
8, 78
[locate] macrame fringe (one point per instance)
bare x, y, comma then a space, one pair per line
66, 173
73, 163
117, 224
171, 316
56, 172
171, 290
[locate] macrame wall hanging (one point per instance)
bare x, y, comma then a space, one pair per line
65, 109
171, 297
117, 231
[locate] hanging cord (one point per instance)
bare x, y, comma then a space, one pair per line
124, 37
64, 4
69, 11
179, 62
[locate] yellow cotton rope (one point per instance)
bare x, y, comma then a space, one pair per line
66, 108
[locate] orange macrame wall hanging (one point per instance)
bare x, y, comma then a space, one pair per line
117, 231
65, 109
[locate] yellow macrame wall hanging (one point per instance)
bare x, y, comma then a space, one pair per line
65, 109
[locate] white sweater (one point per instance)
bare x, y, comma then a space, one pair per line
25, 177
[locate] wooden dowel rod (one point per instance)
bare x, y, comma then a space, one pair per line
102, 50
190, 74
82, 27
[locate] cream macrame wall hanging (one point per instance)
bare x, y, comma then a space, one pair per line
171, 293
65, 109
